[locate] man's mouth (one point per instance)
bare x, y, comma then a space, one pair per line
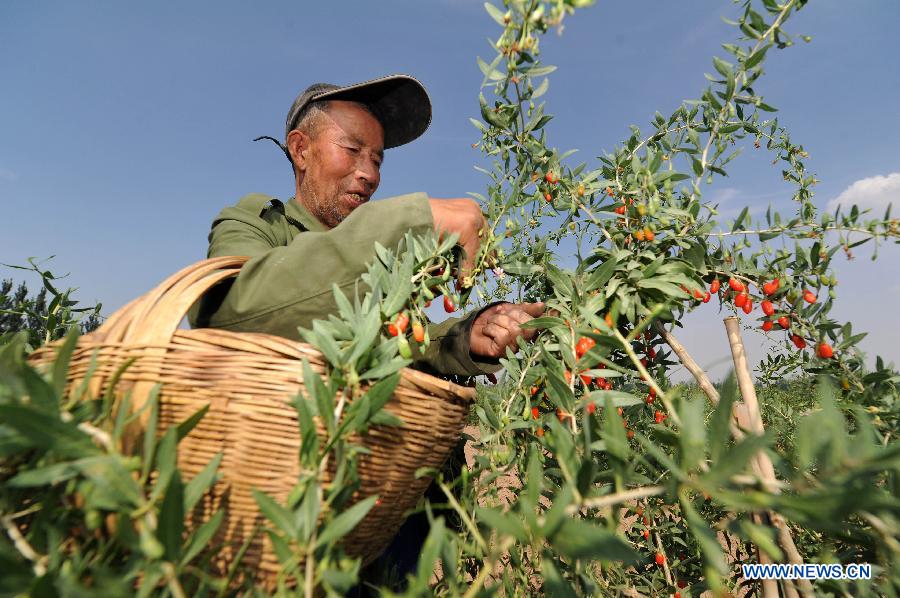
358, 198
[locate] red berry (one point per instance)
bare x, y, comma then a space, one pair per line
798, 341
629, 434
646, 534
784, 322
392, 329
824, 351
676, 595
402, 321
651, 353
540, 432
808, 296
645, 520
619, 411
660, 559
584, 345
534, 390
652, 392
736, 285
741, 299
620, 210
698, 294
706, 297
585, 379
549, 177
767, 307
534, 413
448, 305
681, 584
714, 286
767, 325
568, 376
591, 408
418, 332
649, 400
770, 287
659, 416
548, 198
748, 306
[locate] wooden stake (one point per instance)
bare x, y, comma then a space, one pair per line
762, 464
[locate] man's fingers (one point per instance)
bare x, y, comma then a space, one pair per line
534, 310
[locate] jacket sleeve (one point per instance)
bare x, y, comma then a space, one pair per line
282, 288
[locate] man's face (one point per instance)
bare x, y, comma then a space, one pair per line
340, 163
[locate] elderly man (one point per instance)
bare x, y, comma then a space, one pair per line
335, 138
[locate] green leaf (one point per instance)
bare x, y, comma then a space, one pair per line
46, 432
579, 539
49, 475
344, 523
165, 462
504, 523
185, 427
61, 364
495, 13
201, 537
278, 515
757, 57
725, 68
200, 483
171, 519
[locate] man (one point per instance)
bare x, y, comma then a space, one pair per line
335, 138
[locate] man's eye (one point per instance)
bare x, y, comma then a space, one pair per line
352, 150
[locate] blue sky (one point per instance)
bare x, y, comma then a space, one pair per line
126, 127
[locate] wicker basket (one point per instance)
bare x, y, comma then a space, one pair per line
248, 381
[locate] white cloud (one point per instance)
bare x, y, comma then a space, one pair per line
874, 192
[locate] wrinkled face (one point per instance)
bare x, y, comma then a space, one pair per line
339, 163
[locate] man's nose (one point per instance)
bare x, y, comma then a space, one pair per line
369, 170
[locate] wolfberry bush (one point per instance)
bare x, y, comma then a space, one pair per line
591, 473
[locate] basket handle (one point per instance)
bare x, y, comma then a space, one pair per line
163, 308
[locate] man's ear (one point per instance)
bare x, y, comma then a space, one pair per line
297, 144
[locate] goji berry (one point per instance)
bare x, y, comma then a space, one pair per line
534, 413
767, 307
548, 198
646, 534
591, 408
771, 287
620, 210
659, 416
736, 285
748, 306
809, 296
418, 332
585, 379
798, 341
741, 299
392, 329
714, 286
660, 559
629, 434
784, 322
649, 234
767, 325
402, 321
824, 351
540, 432
706, 297
448, 305
534, 390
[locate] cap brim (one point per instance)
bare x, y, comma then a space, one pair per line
400, 103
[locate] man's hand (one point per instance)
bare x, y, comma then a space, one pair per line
497, 328
463, 217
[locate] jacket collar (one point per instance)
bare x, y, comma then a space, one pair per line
298, 211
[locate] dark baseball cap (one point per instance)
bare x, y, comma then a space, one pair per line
399, 102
